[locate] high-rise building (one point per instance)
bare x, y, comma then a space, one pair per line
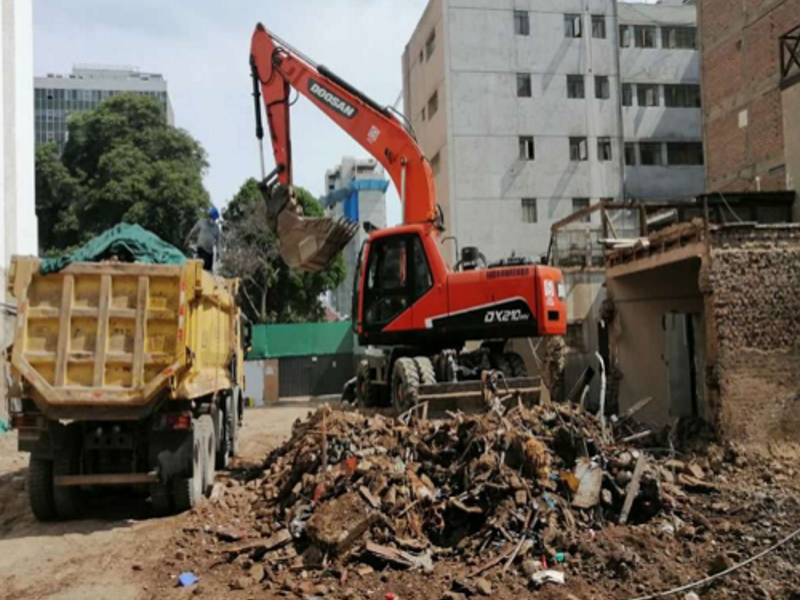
534, 109
751, 94
58, 96
18, 230
355, 189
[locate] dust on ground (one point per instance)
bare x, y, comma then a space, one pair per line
121, 552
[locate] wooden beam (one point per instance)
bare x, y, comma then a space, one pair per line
64, 330
633, 489
140, 333
101, 344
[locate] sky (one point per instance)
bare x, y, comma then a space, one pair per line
202, 49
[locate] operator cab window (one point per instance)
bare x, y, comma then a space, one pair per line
398, 275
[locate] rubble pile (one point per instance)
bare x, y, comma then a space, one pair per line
519, 492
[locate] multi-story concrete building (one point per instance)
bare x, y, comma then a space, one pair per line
355, 189
751, 94
58, 96
530, 110
18, 231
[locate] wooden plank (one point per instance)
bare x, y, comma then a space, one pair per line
64, 330
109, 479
101, 345
140, 333
633, 489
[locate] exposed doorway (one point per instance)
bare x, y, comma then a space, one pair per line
685, 364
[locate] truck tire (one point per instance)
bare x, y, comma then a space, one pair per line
187, 492
517, 364
234, 423
405, 384
161, 499
209, 460
427, 374
67, 499
368, 394
40, 488
224, 442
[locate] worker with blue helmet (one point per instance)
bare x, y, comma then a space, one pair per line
207, 232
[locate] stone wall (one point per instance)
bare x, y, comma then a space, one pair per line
754, 276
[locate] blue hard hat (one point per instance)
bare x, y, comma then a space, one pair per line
213, 213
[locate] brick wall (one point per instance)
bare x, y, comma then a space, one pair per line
741, 72
755, 304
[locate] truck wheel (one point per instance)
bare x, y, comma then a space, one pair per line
517, 364
161, 499
405, 384
188, 491
209, 460
367, 393
234, 425
40, 488
67, 499
223, 442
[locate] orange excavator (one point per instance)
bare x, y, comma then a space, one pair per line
409, 306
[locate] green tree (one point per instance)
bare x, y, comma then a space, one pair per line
122, 162
272, 293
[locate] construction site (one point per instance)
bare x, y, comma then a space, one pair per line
568, 369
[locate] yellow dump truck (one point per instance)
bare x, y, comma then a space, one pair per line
124, 374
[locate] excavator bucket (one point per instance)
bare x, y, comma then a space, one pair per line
306, 243
312, 243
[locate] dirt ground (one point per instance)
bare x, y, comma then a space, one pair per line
117, 554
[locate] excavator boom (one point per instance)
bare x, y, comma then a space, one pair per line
313, 243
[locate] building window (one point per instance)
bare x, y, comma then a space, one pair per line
685, 153
625, 36
578, 149
682, 96
648, 95
679, 38
575, 86
422, 115
524, 89
602, 88
627, 94
522, 22
430, 45
645, 36
651, 154
527, 149
573, 26
436, 165
604, 149
529, 211
433, 104
579, 204
599, 27
630, 154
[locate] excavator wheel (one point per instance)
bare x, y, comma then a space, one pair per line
501, 363
405, 384
368, 394
427, 373
517, 365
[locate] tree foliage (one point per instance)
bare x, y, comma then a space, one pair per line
272, 293
122, 162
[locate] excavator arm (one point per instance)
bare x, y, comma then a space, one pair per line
277, 69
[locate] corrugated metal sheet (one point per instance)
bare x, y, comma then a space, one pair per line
315, 375
301, 339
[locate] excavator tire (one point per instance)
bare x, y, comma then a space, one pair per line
502, 364
427, 373
517, 364
405, 384
368, 395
